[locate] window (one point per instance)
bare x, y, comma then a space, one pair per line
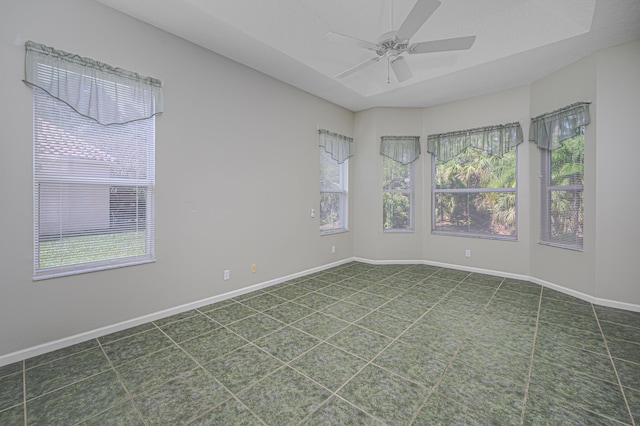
333, 193
560, 138
335, 150
562, 189
397, 195
94, 183
474, 182
399, 154
475, 195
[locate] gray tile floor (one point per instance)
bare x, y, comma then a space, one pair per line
356, 344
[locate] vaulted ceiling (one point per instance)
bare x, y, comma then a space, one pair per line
517, 41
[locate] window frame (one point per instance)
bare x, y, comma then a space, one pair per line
410, 192
73, 181
435, 191
546, 190
343, 190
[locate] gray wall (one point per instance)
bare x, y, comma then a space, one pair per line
237, 172
617, 275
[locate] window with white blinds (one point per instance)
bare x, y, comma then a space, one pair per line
399, 153
335, 150
560, 138
562, 179
333, 193
93, 190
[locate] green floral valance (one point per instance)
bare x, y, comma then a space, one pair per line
93, 89
339, 146
549, 130
403, 149
494, 140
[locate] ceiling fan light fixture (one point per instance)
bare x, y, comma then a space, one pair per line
401, 69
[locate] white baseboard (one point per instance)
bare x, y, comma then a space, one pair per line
103, 331
92, 334
570, 292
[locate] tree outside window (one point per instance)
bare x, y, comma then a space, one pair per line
397, 195
475, 194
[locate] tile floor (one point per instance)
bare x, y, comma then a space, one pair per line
356, 344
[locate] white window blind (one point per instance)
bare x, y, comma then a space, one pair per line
562, 207
560, 136
335, 150
333, 193
93, 190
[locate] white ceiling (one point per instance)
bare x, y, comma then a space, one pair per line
518, 41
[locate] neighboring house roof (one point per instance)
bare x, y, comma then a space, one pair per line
53, 140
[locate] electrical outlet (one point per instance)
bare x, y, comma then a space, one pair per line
333, 249
253, 268
467, 253
227, 274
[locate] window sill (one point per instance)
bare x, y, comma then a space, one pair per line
561, 246
333, 231
480, 236
45, 275
398, 231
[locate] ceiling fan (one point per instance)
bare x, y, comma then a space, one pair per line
393, 44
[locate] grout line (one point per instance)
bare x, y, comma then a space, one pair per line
391, 343
24, 390
615, 370
455, 354
129, 395
533, 349
381, 280
207, 372
367, 362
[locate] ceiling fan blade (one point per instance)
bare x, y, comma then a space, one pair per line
422, 10
358, 67
445, 45
345, 39
401, 69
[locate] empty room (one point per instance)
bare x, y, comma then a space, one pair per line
297, 212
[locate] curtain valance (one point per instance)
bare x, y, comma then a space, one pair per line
339, 146
549, 130
96, 90
403, 149
494, 140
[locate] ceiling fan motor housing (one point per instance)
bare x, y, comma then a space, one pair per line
389, 45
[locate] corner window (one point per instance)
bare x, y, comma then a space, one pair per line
397, 195
560, 139
398, 156
562, 179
